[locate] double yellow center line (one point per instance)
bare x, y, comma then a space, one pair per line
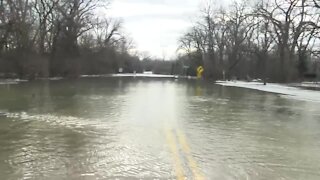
171, 140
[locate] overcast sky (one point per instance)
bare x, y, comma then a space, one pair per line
156, 25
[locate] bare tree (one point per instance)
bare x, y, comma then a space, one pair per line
290, 18
76, 19
60, 34
262, 43
244, 35
220, 35
44, 9
239, 28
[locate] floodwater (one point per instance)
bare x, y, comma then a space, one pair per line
135, 128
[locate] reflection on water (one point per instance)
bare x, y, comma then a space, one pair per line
118, 128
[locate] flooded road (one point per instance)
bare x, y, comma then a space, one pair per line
125, 128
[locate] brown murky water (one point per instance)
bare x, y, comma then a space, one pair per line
133, 128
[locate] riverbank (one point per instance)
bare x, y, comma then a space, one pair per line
288, 90
308, 91
124, 75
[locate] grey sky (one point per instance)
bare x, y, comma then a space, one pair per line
156, 25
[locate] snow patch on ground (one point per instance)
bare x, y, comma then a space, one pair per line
314, 85
142, 75
129, 75
283, 89
11, 81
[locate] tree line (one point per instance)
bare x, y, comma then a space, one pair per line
42, 38
275, 40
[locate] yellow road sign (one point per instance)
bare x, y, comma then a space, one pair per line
200, 71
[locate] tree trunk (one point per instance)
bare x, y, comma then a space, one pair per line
284, 64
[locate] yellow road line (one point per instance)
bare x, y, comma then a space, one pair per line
175, 153
191, 161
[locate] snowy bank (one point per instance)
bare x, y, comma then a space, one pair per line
11, 81
308, 85
285, 90
142, 75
